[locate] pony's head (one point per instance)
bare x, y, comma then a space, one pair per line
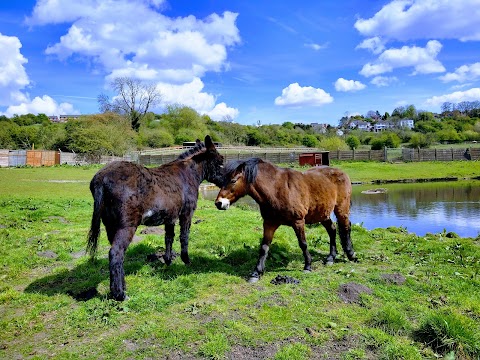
207, 154
237, 178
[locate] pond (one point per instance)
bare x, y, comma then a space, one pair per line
419, 207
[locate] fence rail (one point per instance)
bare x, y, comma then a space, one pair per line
274, 155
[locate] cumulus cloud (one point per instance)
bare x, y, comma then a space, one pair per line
375, 44
296, 95
41, 105
455, 97
13, 77
133, 38
348, 85
192, 95
221, 112
463, 73
14, 80
423, 60
424, 19
382, 81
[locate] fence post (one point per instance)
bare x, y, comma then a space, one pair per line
353, 151
385, 156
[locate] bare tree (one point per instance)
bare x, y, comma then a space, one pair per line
133, 99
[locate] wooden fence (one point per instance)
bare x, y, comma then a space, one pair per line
277, 156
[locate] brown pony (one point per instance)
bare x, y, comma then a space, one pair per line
289, 197
127, 195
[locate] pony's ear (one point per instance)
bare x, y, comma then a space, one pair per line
197, 141
209, 143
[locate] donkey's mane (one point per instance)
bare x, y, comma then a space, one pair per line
249, 168
198, 148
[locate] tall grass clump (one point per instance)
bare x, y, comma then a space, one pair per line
447, 332
391, 321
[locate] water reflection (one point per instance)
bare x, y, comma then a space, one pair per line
420, 207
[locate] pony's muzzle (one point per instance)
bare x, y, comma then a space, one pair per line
222, 204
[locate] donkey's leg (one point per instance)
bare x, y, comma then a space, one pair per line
332, 234
185, 222
169, 236
344, 229
268, 231
120, 241
299, 228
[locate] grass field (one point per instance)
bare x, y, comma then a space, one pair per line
409, 297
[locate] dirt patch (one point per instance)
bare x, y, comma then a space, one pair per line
283, 279
238, 352
158, 256
396, 278
47, 254
152, 230
60, 219
350, 292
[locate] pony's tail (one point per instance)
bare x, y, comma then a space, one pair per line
94, 233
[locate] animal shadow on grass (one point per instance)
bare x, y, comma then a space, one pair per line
81, 281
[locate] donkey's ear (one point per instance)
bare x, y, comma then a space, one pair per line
209, 143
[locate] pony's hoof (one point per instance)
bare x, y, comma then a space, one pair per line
307, 271
329, 263
253, 279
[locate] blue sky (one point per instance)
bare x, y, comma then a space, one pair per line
264, 62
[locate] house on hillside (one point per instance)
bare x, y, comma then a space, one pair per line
64, 118
360, 125
382, 126
54, 118
406, 123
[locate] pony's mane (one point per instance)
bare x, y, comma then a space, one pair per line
197, 149
250, 167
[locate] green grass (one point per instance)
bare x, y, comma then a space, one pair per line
208, 310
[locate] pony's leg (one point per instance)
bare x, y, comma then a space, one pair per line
268, 232
344, 229
299, 228
185, 222
120, 241
169, 236
332, 234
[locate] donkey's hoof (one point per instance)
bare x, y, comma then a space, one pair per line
253, 279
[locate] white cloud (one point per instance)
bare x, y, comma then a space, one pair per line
463, 73
316, 47
424, 19
191, 95
295, 95
423, 60
455, 97
221, 112
132, 38
374, 44
382, 81
13, 77
41, 105
348, 85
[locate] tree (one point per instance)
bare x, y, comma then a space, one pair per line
133, 99
352, 141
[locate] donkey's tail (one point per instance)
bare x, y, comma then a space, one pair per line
97, 191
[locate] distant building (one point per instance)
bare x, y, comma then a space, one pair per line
62, 118
360, 125
382, 126
406, 123
320, 128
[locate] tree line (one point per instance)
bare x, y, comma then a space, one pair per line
125, 123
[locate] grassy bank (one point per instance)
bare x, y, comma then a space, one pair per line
409, 297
